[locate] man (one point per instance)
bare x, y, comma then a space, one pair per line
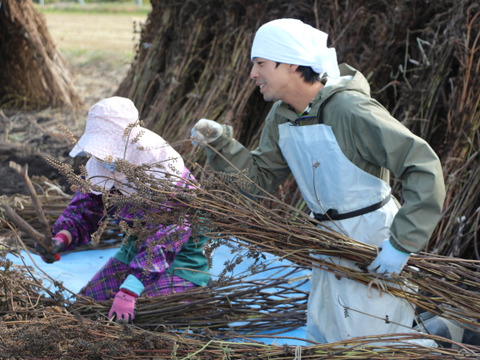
340, 145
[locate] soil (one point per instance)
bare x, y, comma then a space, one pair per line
26, 137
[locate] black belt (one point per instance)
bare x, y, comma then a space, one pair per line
333, 214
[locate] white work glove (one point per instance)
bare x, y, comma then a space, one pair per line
205, 131
389, 260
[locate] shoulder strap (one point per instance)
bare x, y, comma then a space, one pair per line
320, 109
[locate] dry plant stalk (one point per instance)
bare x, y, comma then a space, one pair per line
241, 305
426, 74
211, 207
37, 205
22, 224
448, 286
35, 75
36, 326
53, 206
43, 238
217, 207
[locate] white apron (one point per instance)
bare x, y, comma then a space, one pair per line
339, 308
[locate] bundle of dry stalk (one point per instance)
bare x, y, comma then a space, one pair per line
272, 304
447, 286
36, 326
421, 59
34, 74
54, 203
218, 207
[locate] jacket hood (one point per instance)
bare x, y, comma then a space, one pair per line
357, 83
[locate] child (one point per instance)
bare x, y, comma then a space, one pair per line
171, 260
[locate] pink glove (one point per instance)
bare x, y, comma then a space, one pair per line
123, 306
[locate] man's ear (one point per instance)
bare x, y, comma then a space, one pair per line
292, 68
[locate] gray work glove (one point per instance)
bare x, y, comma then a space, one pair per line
205, 131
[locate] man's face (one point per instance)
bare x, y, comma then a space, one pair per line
273, 80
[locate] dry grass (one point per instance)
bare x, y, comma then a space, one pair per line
98, 45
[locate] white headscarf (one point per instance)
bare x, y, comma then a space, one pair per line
291, 41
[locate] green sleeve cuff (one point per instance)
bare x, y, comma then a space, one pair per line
132, 284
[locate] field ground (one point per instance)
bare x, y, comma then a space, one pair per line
98, 43
95, 34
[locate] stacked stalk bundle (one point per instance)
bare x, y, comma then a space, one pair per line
421, 60
34, 74
218, 207
273, 303
37, 326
